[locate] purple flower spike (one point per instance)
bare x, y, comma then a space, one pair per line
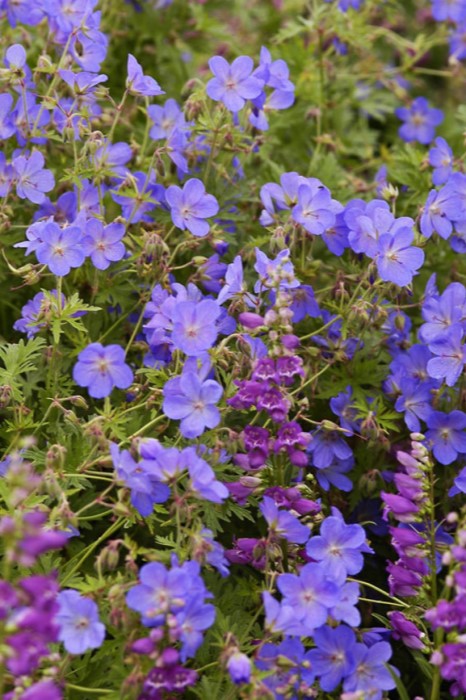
190, 206
233, 84
139, 84
100, 369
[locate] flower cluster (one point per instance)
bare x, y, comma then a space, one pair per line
174, 601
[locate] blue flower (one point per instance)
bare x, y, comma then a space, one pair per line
282, 523
339, 547
192, 401
194, 326
454, 10
315, 210
32, 180
333, 657
146, 488
440, 209
334, 475
78, 619
441, 159
139, 84
420, 121
233, 84
239, 667
203, 481
397, 260
370, 671
451, 356
446, 434
190, 206
103, 244
60, 249
101, 368
311, 594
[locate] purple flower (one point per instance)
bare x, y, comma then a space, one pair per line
334, 474
139, 84
168, 676
420, 121
43, 690
146, 488
15, 57
415, 402
194, 326
233, 84
60, 249
459, 484
458, 41
190, 206
315, 209
82, 83
311, 595
327, 445
158, 592
282, 523
406, 630
439, 210
203, 481
32, 180
166, 120
370, 670
454, 10
451, 356
103, 243
333, 657
441, 159
442, 313
78, 619
397, 261
193, 401
446, 434
339, 547
102, 368
239, 668
7, 126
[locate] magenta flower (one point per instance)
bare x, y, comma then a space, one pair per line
233, 84
100, 369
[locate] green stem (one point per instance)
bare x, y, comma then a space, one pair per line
400, 602
92, 691
116, 119
88, 550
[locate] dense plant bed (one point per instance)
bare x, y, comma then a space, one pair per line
232, 352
